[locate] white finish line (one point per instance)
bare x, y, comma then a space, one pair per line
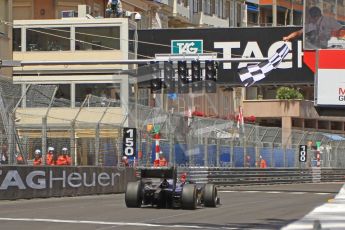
110, 223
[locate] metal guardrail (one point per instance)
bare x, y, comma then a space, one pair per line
247, 176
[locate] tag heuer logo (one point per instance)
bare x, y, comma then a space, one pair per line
186, 46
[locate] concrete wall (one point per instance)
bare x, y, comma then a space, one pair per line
63, 116
70, 56
18, 182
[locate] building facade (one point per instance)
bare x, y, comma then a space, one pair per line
60, 93
52, 9
6, 36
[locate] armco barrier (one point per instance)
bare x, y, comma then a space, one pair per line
17, 182
248, 176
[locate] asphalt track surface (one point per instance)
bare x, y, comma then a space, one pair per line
250, 207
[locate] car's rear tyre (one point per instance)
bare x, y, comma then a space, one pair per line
189, 196
133, 197
210, 195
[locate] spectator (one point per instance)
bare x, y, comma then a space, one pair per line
161, 161
51, 156
3, 155
183, 178
263, 163
318, 29
114, 7
247, 161
38, 158
125, 161
63, 159
20, 159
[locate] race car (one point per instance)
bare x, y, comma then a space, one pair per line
160, 187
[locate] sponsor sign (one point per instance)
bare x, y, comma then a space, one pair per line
129, 141
330, 89
233, 42
186, 46
30, 182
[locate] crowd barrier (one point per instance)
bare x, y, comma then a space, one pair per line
25, 182
22, 182
251, 176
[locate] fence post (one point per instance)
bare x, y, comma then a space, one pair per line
148, 150
11, 142
73, 147
284, 155
97, 145
272, 156
244, 150
119, 146
218, 152
257, 156
44, 140
232, 154
206, 152
171, 148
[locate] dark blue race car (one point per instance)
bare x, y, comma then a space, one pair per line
160, 187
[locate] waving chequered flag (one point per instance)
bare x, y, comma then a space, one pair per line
253, 73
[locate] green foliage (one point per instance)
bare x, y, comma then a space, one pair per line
286, 93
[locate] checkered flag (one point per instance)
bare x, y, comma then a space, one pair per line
253, 73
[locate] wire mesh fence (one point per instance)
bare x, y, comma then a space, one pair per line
92, 133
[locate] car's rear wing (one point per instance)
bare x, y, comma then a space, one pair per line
160, 172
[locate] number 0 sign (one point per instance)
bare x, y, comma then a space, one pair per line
129, 141
302, 153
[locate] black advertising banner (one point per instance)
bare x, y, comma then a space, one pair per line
129, 141
233, 42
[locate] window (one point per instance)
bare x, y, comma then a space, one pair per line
195, 6
40, 96
3, 16
216, 8
132, 38
17, 39
102, 92
207, 7
227, 9
212, 2
63, 96
97, 38
47, 39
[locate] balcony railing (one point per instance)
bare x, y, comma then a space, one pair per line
178, 9
210, 20
279, 108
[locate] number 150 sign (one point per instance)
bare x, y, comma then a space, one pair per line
129, 141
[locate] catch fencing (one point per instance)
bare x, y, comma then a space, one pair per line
37, 118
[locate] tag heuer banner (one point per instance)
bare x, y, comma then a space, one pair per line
232, 42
